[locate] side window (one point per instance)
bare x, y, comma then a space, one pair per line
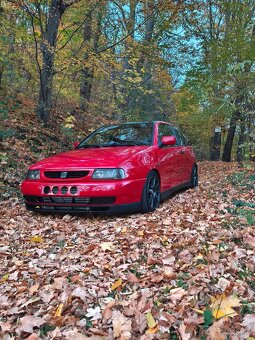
181, 140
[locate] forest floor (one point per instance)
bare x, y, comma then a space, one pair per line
185, 271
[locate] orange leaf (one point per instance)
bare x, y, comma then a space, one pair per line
59, 310
116, 284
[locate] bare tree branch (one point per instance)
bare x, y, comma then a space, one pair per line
81, 24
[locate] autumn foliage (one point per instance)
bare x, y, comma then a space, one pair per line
185, 271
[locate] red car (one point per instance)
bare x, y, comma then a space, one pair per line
118, 168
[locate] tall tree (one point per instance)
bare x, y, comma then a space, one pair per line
47, 16
92, 31
223, 33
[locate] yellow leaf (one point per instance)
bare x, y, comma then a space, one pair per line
59, 310
140, 233
124, 230
69, 125
37, 239
150, 320
107, 246
116, 284
5, 278
223, 306
70, 119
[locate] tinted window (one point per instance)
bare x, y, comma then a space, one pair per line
181, 140
120, 135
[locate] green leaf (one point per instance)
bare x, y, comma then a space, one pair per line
208, 318
250, 219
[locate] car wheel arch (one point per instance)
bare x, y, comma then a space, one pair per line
157, 172
151, 202
194, 184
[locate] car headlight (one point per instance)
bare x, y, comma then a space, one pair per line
108, 174
33, 174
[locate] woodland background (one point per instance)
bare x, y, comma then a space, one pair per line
71, 65
185, 271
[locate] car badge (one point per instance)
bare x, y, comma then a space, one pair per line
63, 174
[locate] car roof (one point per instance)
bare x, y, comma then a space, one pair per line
141, 122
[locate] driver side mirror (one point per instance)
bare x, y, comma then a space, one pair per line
168, 140
75, 144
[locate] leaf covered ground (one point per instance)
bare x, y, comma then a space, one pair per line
185, 271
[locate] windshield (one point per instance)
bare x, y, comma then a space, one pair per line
120, 135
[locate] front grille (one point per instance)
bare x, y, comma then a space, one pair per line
70, 200
65, 174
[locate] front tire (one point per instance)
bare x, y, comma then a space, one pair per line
194, 177
151, 193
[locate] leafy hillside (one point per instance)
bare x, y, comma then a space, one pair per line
24, 140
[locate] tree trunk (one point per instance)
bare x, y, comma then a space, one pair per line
216, 143
86, 72
48, 45
148, 99
129, 21
230, 138
241, 140
91, 39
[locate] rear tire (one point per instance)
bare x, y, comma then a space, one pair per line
194, 177
151, 193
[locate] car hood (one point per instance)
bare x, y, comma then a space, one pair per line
89, 158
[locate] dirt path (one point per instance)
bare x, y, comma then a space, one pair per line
151, 276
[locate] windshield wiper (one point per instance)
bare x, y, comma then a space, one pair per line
132, 144
89, 146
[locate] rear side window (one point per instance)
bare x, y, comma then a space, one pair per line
181, 139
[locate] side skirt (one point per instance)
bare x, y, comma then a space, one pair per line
164, 195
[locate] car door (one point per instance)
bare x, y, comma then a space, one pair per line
167, 159
184, 157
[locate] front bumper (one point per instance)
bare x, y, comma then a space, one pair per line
93, 197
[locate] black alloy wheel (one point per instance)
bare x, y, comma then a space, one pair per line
151, 193
194, 177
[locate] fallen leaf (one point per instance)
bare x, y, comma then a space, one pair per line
81, 293
186, 331
150, 320
132, 277
141, 322
59, 310
121, 325
29, 322
36, 239
5, 326
216, 331
4, 278
33, 336
107, 246
116, 284
249, 323
222, 306
177, 294
33, 289
59, 282
94, 313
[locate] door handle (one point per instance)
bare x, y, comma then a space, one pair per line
182, 152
